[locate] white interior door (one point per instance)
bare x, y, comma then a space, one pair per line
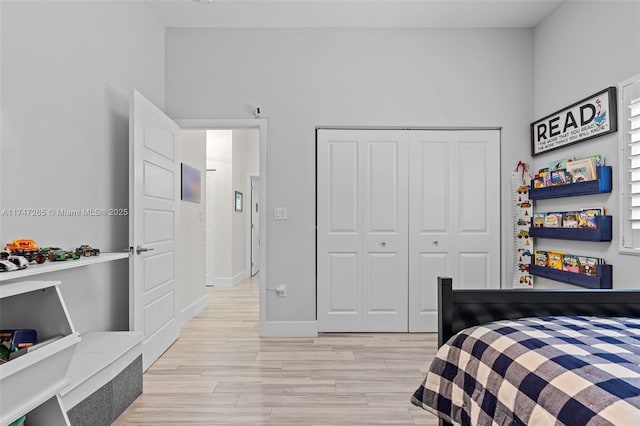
210, 263
362, 230
454, 224
255, 225
154, 198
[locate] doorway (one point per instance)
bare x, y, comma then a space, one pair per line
258, 126
396, 209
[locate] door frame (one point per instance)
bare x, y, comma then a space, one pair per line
210, 174
250, 178
261, 125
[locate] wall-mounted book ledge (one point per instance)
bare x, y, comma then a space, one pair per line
600, 185
602, 232
603, 280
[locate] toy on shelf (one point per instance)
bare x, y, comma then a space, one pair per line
27, 249
56, 254
86, 250
11, 341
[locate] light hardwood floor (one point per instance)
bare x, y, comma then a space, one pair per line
220, 372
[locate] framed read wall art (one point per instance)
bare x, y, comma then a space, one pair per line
588, 118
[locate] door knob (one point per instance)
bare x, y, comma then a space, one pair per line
141, 249
383, 244
435, 242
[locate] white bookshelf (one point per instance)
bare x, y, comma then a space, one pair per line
35, 269
45, 383
38, 376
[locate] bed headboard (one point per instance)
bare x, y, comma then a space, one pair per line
459, 309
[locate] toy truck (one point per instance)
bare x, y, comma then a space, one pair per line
27, 249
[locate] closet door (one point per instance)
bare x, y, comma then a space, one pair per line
454, 221
362, 249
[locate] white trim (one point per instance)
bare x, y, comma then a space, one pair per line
623, 166
249, 212
261, 125
289, 329
230, 282
194, 309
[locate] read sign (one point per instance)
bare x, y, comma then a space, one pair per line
586, 119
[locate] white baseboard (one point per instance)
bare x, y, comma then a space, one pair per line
289, 329
192, 310
230, 282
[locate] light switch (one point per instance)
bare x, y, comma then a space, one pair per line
280, 213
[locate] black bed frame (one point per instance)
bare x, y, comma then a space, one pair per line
460, 309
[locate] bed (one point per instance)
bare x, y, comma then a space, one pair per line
531, 357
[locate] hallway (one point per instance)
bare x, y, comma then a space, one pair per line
219, 372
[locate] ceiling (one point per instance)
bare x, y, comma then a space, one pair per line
352, 13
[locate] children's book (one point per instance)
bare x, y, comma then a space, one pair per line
538, 219
554, 259
560, 177
582, 170
553, 220
570, 219
590, 266
540, 258
587, 217
558, 165
571, 263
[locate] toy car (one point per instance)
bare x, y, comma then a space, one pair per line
28, 249
56, 254
86, 250
523, 234
525, 204
19, 261
523, 189
6, 266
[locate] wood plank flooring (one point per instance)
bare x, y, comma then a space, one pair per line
219, 372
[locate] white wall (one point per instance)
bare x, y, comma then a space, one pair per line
67, 71
245, 162
304, 78
193, 244
219, 157
582, 48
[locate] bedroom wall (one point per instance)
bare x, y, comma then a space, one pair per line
580, 49
191, 293
220, 157
66, 78
303, 78
246, 157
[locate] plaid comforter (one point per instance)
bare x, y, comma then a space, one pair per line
538, 371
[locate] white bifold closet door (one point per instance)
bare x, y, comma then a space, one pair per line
454, 220
396, 209
362, 230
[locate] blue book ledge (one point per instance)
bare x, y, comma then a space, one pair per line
603, 280
598, 186
601, 233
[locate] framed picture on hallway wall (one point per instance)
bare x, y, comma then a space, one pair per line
191, 184
238, 202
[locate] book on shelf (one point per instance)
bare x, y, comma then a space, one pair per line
560, 177
582, 170
587, 217
570, 219
540, 258
554, 259
571, 263
539, 219
553, 220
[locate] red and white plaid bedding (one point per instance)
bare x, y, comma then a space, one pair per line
572, 371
